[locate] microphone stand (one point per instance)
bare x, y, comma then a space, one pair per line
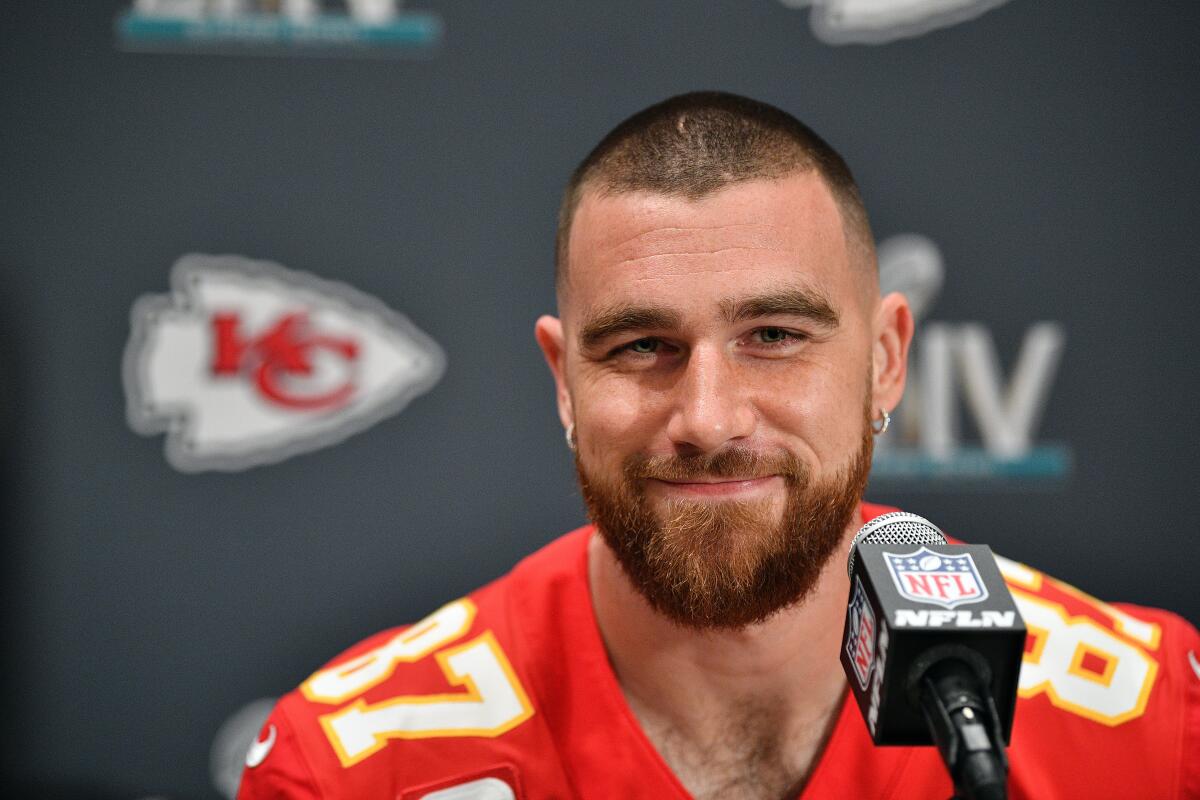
966, 729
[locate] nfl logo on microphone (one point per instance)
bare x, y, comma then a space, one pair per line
860, 637
928, 577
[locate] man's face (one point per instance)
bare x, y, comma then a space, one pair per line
717, 359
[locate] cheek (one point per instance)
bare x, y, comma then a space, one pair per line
612, 411
823, 406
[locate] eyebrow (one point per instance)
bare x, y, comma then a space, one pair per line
621, 319
789, 302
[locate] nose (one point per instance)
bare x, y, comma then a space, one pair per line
710, 407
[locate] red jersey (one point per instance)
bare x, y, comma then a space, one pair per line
508, 693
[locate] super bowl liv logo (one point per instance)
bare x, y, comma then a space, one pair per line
356, 27
879, 21
955, 372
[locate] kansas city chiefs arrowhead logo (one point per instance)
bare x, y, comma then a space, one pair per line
879, 21
248, 363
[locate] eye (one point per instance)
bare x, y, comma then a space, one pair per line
643, 346
776, 337
773, 335
773, 340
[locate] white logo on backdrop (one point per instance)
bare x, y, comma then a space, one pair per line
247, 363
953, 361
879, 21
234, 744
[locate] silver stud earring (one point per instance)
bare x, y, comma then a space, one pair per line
880, 426
570, 435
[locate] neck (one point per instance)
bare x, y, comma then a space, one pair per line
691, 683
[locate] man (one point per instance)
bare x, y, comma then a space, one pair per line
722, 360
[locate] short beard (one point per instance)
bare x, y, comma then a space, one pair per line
725, 564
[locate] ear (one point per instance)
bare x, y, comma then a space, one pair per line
893, 335
549, 334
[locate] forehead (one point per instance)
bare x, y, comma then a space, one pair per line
743, 239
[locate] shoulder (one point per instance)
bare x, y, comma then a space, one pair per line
447, 700
1120, 683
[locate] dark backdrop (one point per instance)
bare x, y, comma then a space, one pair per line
1048, 149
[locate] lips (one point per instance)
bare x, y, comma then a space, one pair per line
710, 487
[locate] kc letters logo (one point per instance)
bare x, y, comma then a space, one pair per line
929, 577
248, 363
860, 639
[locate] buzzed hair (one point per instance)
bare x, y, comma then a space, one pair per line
695, 144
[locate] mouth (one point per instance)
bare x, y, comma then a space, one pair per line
739, 488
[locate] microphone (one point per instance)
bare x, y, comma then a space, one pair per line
932, 648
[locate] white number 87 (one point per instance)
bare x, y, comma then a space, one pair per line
493, 702
1082, 667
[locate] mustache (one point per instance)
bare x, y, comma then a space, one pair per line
732, 462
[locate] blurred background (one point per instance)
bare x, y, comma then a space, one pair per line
218, 472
